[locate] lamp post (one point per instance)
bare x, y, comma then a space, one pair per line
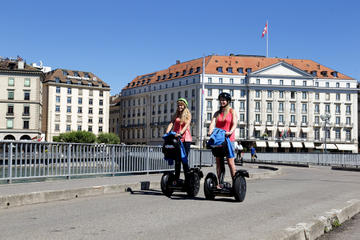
325, 118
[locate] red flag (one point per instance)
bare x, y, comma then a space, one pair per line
265, 30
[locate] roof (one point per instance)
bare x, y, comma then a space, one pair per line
232, 65
75, 76
13, 65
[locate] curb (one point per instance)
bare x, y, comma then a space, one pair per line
321, 225
17, 200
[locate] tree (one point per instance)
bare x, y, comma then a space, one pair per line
108, 138
76, 137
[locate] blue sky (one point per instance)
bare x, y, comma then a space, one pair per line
118, 40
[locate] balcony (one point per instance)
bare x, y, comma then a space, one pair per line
269, 110
292, 123
349, 125
304, 124
9, 114
317, 124
281, 123
269, 123
257, 123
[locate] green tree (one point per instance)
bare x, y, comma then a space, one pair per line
108, 138
76, 137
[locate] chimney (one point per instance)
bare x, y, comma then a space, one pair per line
177, 61
21, 64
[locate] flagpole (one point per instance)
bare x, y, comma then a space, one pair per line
202, 108
267, 39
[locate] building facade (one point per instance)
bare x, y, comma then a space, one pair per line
20, 101
114, 116
282, 104
74, 100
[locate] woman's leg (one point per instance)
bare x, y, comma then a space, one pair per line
220, 169
231, 163
187, 151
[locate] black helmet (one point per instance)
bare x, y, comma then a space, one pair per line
225, 95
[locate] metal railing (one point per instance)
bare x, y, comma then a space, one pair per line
27, 160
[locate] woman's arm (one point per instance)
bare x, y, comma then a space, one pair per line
212, 124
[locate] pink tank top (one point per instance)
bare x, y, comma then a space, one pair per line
226, 123
186, 137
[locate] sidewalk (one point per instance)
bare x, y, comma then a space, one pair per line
18, 194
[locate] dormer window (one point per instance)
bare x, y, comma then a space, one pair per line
248, 70
314, 73
334, 74
79, 82
184, 72
164, 76
76, 74
89, 84
128, 84
138, 82
143, 81
191, 70
240, 70
158, 78
177, 74
324, 73
170, 75
229, 69
86, 75
198, 69
219, 69
150, 80
65, 73
57, 80
68, 81
133, 84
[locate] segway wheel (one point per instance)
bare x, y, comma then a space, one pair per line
165, 183
239, 188
192, 184
209, 184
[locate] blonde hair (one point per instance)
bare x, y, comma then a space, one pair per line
184, 115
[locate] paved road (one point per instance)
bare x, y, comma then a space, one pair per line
350, 230
299, 195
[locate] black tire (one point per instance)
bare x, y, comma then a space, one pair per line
239, 188
209, 184
192, 184
166, 180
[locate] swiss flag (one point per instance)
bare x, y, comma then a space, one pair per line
265, 30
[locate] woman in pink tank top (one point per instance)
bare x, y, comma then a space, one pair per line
225, 119
181, 125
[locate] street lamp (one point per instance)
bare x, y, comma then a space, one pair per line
325, 118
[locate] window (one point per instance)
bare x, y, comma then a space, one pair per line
242, 93
317, 119
257, 118
10, 123
68, 109
79, 110
68, 81
57, 108
281, 94
231, 81
338, 96
101, 120
257, 81
292, 95
90, 120
304, 108
317, 96
337, 120
69, 90
10, 110
240, 70
292, 118
91, 101
257, 106
57, 99
348, 97
57, 127
281, 82
232, 92
292, 82
26, 110
209, 80
304, 119
208, 116
337, 84
281, 107
100, 128
68, 128
348, 134
316, 84
79, 127
26, 124
101, 102
219, 69
57, 89
292, 107
304, 95
257, 94
186, 93
281, 118
229, 69
348, 120
269, 106
327, 108
348, 85
348, 109
337, 133
68, 100
79, 100
26, 95
90, 110
269, 118
10, 95
242, 105
27, 82
11, 82
209, 105
242, 117
304, 83
248, 70
317, 108
220, 80
269, 82
327, 84
337, 108
269, 94
220, 91
209, 92
317, 134
327, 97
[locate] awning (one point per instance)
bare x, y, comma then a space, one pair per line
285, 144
260, 144
346, 147
309, 144
270, 128
293, 129
297, 144
273, 144
329, 146
257, 128
305, 130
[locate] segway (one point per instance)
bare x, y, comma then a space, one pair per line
238, 187
191, 184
